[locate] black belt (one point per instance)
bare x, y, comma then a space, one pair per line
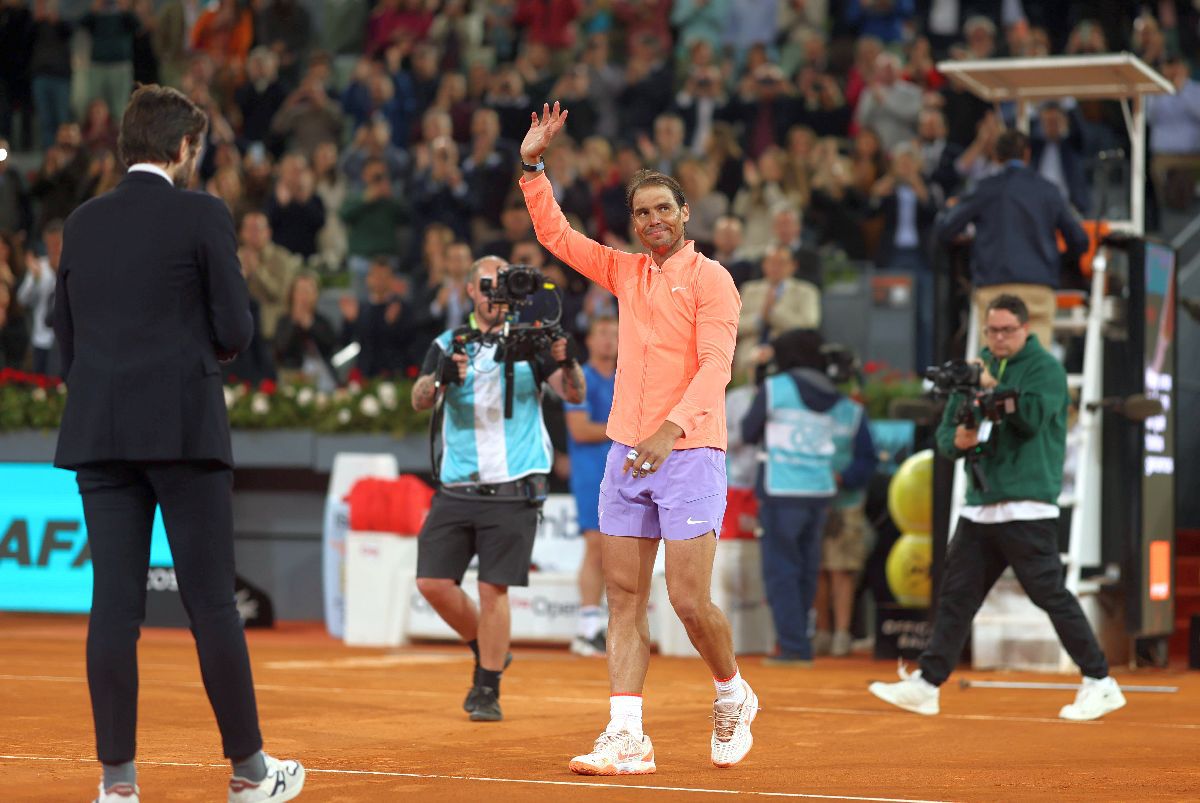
515, 488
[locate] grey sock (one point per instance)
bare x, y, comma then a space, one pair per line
252, 768
119, 773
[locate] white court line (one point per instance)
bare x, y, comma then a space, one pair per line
598, 701
486, 779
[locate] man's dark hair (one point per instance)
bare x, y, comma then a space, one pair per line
1011, 145
1010, 303
653, 178
799, 348
156, 120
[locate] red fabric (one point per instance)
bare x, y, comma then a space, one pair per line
391, 506
548, 22
741, 514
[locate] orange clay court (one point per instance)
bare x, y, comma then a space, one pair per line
379, 725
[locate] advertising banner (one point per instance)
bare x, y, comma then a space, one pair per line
45, 564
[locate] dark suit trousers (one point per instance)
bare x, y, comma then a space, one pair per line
977, 557
197, 506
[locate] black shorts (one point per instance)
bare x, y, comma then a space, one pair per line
500, 532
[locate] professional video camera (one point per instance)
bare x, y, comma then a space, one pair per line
981, 409
514, 287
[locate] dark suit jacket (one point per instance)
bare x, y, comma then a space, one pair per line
1078, 190
1016, 213
149, 292
888, 208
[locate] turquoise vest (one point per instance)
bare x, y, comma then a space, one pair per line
480, 445
847, 416
800, 448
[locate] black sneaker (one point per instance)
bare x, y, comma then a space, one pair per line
487, 705
589, 648
471, 701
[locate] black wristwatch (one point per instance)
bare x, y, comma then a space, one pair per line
537, 168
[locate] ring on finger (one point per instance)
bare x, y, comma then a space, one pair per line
647, 466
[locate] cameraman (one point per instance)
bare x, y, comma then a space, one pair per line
1013, 522
802, 422
492, 476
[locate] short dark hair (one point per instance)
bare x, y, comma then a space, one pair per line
652, 178
1011, 145
1010, 303
156, 120
799, 348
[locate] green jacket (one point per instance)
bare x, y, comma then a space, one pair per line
371, 225
1023, 458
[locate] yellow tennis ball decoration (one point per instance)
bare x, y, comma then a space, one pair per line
908, 569
910, 494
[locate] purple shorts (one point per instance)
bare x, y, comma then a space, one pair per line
684, 499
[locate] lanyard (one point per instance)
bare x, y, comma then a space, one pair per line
1003, 365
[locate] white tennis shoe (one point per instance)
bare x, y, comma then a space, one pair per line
1094, 699
617, 753
284, 781
731, 737
119, 793
911, 692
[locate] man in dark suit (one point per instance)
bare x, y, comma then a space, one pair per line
1016, 214
150, 297
1057, 155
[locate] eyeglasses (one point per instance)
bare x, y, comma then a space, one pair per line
1001, 331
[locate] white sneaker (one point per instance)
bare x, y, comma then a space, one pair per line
911, 692
617, 753
822, 642
841, 644
1094, 699
118, 793
284, 781
731, 737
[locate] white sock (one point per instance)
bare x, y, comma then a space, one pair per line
732, 690
625, 714
591, 621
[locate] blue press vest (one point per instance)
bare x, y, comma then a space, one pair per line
800, 442
480, 445
847, 416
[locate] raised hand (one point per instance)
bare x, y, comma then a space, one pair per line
541, 132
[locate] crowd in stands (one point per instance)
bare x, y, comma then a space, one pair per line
368, 153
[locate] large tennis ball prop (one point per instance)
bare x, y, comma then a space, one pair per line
908, 570
910, 494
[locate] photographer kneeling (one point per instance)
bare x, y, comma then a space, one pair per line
493, 467
1017, 450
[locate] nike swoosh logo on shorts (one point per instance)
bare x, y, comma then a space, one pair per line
695, 521
673, 289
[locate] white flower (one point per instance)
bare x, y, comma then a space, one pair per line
260, 405
343, 416
387, 395
369, 406
305, 397
39, 394
230, 397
